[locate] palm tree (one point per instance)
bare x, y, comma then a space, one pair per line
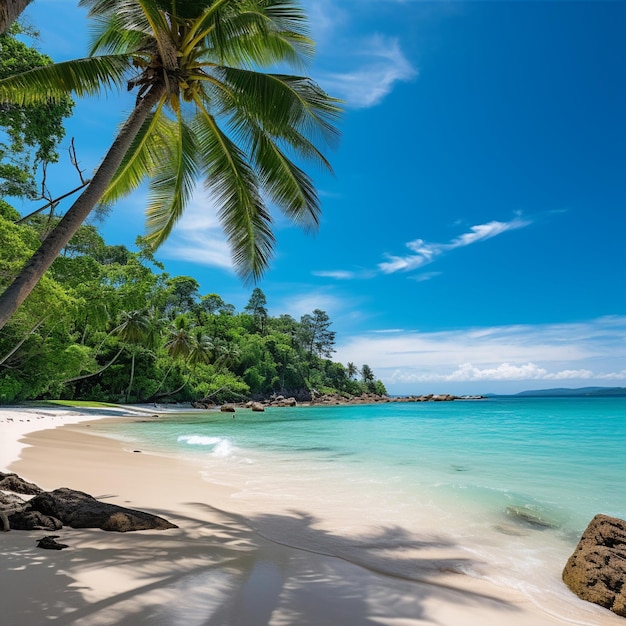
203, 111
134, 330
202, 348
190, 344
179, 345
351, 370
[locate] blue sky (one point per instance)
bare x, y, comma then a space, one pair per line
473, 237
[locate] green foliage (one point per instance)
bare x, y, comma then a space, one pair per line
113, 327
32, 132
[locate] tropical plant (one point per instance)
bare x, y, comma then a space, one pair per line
203, 111
32, 133
134, 330
351, 370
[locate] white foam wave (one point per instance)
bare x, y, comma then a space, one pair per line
220, 446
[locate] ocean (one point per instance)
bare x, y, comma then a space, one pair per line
506, 485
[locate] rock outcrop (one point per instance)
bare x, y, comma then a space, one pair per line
596, 571
12, 482
80, 510
312, 398
50, 543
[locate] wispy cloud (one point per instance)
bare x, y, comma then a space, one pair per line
198, 236
300, 304
424, 253
590, 351
338, 275
376, 70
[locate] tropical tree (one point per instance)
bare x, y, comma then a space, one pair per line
315, 335
367, 374
33, 132
134, 330
203, 111
257, 308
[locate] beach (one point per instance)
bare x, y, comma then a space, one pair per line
231, 561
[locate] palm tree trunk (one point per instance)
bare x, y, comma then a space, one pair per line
52, 245
83, 376
10, 10
169, 369
32, 331
132, 376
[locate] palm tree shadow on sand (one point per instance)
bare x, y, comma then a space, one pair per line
223, 569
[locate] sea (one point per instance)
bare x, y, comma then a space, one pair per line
504, 486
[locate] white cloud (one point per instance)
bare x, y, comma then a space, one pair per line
591, 351
338, 274
425, 253
420, 278
371, 80
486, 231
301, 304
325, 18
198, 236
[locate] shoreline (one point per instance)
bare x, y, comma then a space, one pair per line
221, 562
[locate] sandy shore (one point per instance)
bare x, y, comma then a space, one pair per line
227, 564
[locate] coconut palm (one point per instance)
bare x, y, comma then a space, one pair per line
203, 111
134, 330
351, 370
188, 344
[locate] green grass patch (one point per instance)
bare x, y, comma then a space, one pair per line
78, 403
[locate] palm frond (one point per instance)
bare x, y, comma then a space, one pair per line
111, 35
280, 102
235, 188
51, 82
252, 33
290, 23
144, 157
286, 184
173, 185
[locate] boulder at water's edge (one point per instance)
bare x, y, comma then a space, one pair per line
596, 571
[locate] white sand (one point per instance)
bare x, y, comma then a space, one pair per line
218, 568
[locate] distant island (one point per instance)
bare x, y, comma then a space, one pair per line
580, 392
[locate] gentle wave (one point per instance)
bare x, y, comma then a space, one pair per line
221, 446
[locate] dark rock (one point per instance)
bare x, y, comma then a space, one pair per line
12, 482
596, 571
257, 407
33, 520
10, 503
49, 543
80, 510
530, 517
11, 500
227, 408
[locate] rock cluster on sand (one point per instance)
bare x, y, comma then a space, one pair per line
312, 398
51, 510
596, 571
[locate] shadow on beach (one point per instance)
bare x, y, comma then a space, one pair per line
223, 569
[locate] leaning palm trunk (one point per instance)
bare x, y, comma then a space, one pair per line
52, 245
132, 377
10, 10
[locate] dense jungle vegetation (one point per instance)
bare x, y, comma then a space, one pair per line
110, 324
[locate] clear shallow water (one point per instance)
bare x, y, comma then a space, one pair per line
461, 470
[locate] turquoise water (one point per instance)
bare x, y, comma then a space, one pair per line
460, 470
